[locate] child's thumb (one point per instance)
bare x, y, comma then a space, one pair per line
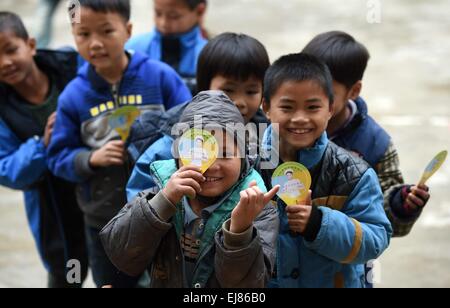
271, 194
309, 199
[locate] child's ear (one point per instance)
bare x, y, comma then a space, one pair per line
355, 91
201, 10
129, 29
32, 45
331, 111
266, 108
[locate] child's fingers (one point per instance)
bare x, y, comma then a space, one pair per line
416, 201
421, 193
51, 121
188, 191
259, 195
271, 194
190, 168
294, 209
253, 184
116, 143
191, 174
244, 197
252, 196
115, 162
191, 183
423, 187
115, 154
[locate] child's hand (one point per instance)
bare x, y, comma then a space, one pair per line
298, 215
111, 154
184, 182
253, 201
417, 198
49, 129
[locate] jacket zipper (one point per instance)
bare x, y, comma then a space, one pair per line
115, 93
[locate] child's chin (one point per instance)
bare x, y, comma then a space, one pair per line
212, 192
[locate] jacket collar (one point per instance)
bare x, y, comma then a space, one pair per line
188, 40
99, 83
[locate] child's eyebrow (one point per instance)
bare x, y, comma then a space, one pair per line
106, 24
313, 100
287, 100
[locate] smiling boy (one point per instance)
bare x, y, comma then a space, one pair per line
325, 241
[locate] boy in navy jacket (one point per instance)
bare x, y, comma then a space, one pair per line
84, 148
30, 82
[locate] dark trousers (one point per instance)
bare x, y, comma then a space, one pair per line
103, 271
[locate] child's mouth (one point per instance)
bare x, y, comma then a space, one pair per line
99, 57
212, 179
300, 132
9, 73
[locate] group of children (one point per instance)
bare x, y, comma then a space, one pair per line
145, 218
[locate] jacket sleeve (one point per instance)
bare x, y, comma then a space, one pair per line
68, 158
249, 264
175, 91
132, 238
361, 232
393, 185
21, 164
141, 179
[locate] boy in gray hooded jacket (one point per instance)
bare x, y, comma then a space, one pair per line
215, 229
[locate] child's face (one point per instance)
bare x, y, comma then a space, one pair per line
247, 95
175, 17
16, 58
302, 110
101, 37
225, 172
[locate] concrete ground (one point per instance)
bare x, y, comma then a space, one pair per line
407, 86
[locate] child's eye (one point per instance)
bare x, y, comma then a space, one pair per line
314, 107
226, 90
251, 93
83, 34
109, 31
286, 107
174, 16
11, 51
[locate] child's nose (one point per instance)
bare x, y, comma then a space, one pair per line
299, 117
240, 104
96, 44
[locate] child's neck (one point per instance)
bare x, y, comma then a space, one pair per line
338, 121
288, 152
114, 74
200, 203
35, 87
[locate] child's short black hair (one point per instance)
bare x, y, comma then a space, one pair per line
12, 22
346, 58
121, 7
297, 67
192, 4
231, 55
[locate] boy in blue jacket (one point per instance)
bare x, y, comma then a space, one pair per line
84, 148
177, 38
353, 129
30, 83
325, 241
